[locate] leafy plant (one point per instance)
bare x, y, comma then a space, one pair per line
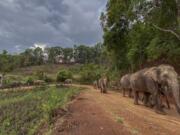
90, 72
48, 79
63, 75
30, 81
40, 75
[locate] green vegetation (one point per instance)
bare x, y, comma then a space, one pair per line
120, 120
90, 72
79, 73
23, 112
139, 33
63, 75
30, 81
135, 131
55, 55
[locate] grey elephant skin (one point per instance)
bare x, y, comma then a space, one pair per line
125, 85
103, 83
153, 81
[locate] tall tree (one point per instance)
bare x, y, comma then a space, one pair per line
53, 52
68, 54
139, 31
38, 56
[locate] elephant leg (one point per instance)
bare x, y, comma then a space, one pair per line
105, 90
136, 97
154, 99
146, 99
130, 93
101, 89
151, 102
124, 92
158, 104
141, 98
167, 102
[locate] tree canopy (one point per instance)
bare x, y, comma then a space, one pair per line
138, 32
81, 54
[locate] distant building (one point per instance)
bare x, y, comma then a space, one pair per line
72, 60
45, 57
60, 59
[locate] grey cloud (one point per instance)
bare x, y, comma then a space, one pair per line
53, 22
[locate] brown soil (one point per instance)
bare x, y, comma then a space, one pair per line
93, 113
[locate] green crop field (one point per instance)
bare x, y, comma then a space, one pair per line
23, 112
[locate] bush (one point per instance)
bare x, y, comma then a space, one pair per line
6, 82
90, 72
63, 75
29, 81
48, 79
40, 75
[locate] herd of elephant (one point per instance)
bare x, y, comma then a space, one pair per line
155, 84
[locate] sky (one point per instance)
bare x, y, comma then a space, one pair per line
45, 23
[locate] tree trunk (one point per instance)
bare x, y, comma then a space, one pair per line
178, 6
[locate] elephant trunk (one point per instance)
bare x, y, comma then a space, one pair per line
176, 94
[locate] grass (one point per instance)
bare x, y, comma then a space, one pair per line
23, 112
135, 131
18, 74
120, 120
45, 68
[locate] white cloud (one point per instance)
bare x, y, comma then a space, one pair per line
39, 45
18, 48
49, 22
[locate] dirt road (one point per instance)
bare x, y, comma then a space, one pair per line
93, 113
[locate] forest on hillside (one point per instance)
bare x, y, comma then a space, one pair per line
80, 54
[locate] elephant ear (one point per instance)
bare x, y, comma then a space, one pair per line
154, 73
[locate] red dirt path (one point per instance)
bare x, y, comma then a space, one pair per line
93, 113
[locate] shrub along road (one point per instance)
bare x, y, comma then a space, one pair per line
92, 113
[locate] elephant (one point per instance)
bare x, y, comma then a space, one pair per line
68, 81
125, 85
103, 84
39, 82
95, 84
154, 81
151, 102
98, 84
